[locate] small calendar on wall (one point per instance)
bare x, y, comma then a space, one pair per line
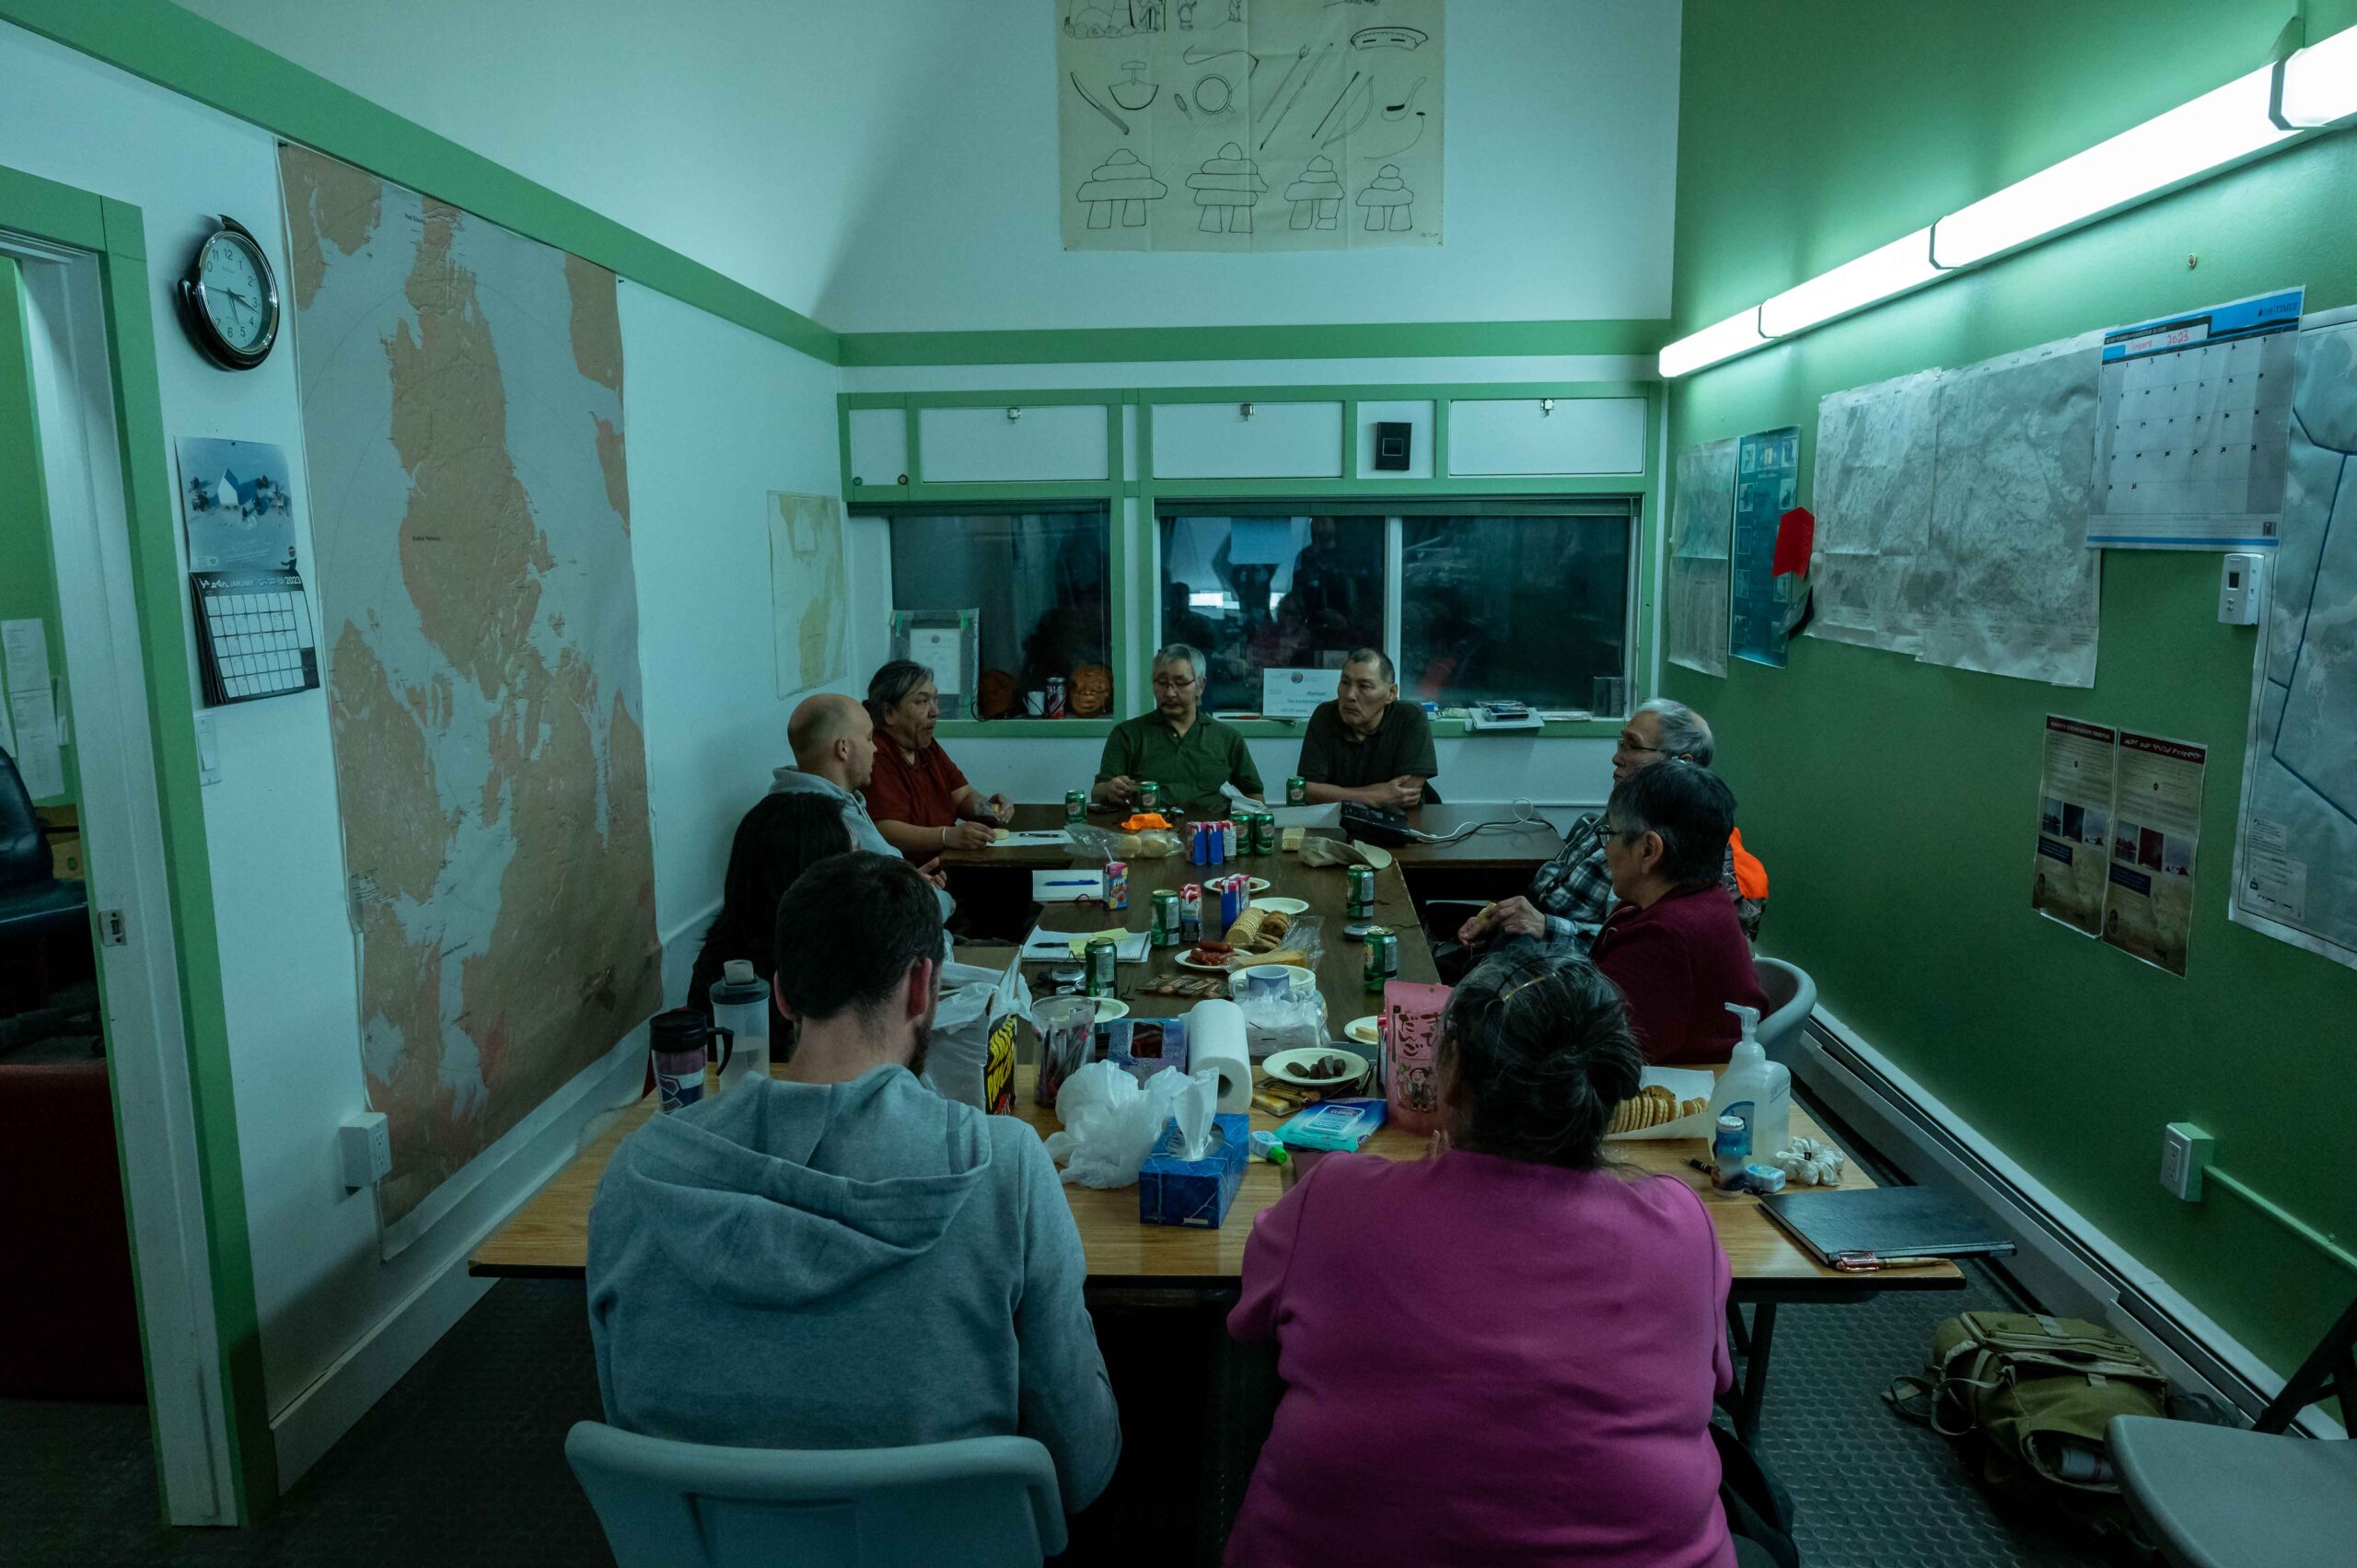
253, 636
253, 619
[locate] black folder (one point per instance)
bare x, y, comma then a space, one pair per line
1865, 1228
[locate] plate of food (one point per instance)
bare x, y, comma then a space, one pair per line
1259, 885
1208, 958
1316, 1067
1282, 906
1365, 1031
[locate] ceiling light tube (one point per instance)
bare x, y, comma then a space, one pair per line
1895, 268
2216, 129
2320, 82
1724, 340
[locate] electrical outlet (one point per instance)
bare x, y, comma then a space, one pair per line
366, 1141
2186, 1153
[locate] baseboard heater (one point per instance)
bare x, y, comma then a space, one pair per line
2062, 1260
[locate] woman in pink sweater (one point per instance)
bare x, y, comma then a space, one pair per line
1506, 1354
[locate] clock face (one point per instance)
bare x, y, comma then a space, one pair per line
236, 292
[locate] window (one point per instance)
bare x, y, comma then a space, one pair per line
1041, 581
1533, 607
1270, 592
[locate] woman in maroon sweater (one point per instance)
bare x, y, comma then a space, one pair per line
1673, 946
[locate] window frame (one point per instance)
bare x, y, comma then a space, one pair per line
1134, 498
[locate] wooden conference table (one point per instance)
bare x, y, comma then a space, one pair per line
548, 1235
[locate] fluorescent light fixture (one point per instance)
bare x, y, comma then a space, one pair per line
1713, 344
2219, 127
2215, 131
2320, 82
1898, 266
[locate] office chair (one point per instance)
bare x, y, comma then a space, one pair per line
2219, 1497
978, 1502
1792, 996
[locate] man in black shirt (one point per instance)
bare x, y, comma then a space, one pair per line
1367, 745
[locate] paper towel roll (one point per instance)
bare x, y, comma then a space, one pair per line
1216, 1042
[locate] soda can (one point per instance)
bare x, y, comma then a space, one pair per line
1149, 796
1165, 918
1359, 893
1227, 837
1296, 791
1117, 884
1055, 696
1382, 957
1076, 806
1104, 958
1264, 833
1190, 913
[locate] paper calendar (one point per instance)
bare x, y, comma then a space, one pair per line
253, 636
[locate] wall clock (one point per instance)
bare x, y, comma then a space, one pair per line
229, 299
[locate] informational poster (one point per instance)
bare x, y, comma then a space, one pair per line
1267, 125
2195, 426
2073, 822
1760, 603
1694, 573
1295, 693
2295, 852
2013, 589
809, 606
1875, 447
941, 649
2156, 827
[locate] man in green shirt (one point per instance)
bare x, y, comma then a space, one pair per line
1367, 745
1188, 754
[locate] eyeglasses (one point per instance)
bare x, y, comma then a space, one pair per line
1173, 683
1635, 751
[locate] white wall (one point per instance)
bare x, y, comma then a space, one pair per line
891, 165
716, 417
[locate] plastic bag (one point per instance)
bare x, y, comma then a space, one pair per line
1098, 843
1112, 1122
972, 1054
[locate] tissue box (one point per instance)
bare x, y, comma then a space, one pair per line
1143, 1047
1172, 1191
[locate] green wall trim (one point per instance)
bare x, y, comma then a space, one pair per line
199, 59
1446, 728
1378, 340
63, 215
31, 205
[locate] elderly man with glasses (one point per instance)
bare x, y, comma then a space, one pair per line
1571, 895
1189, 754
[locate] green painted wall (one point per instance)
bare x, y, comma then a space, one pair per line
1893, 802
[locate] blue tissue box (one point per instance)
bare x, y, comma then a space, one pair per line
1182, 1191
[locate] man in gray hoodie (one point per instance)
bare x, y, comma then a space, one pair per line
834, 755
838, 1257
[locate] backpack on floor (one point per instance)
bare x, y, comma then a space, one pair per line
2027, 1396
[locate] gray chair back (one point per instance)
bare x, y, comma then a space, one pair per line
1792, 996
988, 1502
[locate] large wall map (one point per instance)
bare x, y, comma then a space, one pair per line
1271, 125
462, 414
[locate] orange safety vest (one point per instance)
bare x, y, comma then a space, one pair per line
1751, 876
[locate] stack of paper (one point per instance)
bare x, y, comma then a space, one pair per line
1043, 946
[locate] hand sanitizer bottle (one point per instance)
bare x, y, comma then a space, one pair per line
1757, 1090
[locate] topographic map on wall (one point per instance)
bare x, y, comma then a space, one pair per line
1694, 574
2295, 855
461, 392
808, 601
1875, 451
1249, 125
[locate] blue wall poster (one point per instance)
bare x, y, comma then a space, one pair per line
1767, 472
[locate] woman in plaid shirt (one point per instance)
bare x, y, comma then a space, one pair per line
1570, 894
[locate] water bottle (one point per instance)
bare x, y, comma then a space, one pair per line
740, 1016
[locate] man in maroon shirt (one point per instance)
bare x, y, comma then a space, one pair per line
921, 801
1673, 946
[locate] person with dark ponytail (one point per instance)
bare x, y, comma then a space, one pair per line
1508, 1353
781, 837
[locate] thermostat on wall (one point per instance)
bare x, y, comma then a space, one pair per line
1391, 444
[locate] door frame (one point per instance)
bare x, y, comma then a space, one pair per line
175, 1114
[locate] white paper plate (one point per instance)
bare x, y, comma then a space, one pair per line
1184, 963
1286, 1066
1110, 1008
1283, 906
1256, 884
1364, 1030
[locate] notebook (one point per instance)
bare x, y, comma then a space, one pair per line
1882, 1223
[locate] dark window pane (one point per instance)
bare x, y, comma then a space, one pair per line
1529, 608
1041, 581
1271, 593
